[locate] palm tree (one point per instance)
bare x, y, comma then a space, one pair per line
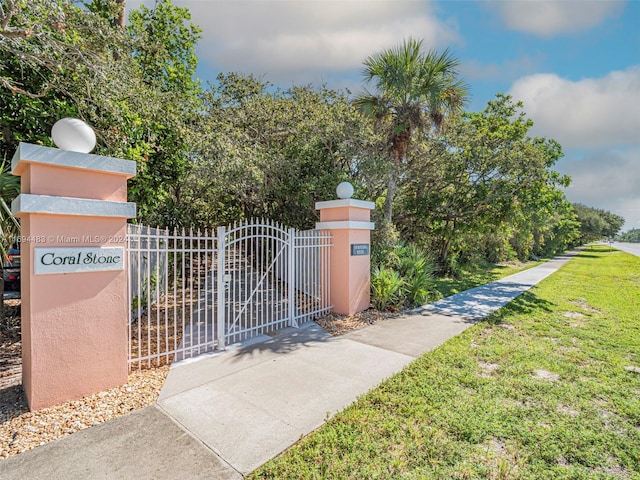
414, 91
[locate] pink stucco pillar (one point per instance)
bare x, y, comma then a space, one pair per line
73, 212
348, 220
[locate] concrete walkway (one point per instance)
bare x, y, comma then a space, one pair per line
224, 415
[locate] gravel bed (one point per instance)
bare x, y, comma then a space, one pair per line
22, 430
339, 324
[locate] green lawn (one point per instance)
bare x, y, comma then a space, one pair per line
542, 390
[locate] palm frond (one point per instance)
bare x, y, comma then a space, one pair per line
9, 226
371, 105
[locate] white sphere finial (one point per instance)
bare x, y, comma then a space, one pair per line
74, 135
344, 190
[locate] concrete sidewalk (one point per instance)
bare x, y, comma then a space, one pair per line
224, 415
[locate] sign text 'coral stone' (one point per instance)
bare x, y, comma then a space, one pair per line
77, 259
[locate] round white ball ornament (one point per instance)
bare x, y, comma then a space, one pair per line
74, 135
344, 190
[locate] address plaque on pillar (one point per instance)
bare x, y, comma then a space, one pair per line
359, 249
77, 259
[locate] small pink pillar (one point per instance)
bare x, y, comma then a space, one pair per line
73, 211
348, 222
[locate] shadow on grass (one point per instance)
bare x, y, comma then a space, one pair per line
525, 303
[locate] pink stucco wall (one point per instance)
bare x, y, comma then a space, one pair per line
74, 325
350, 274
345, 213
69, 182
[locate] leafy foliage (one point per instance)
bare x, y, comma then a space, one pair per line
479, 189
386, 287
10, 228
473, 189
596, 224
632, 236
404, 278
271, 152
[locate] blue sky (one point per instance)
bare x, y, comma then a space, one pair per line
574, 63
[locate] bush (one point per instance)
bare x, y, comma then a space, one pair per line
386, 287
417, 269
402, 278
385, 242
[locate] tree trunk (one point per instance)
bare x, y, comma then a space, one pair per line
121, 18
391, 193
399, 147
444, 254
447, 239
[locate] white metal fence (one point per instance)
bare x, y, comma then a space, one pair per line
195, 292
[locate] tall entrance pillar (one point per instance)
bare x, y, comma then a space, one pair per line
73, 212
348, 220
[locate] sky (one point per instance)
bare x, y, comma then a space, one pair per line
575, 64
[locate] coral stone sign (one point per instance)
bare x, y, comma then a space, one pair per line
77, 259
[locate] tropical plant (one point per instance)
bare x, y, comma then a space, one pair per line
403, 278
414, 92
386, 288
417, 269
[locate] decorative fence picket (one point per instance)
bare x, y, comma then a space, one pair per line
192, 293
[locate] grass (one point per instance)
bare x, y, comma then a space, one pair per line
470, 278
540, 390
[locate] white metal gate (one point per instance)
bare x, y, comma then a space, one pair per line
195, 292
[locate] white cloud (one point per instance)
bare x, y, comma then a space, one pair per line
607, 179
302, 39
505, 71
548, 18
584, 114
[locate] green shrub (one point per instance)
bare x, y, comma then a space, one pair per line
417, 270
403, 278
386, 288
385, 242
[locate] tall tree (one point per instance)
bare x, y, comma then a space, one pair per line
271, 152
414, 92
632, 236
57, 60
472, 178
164, 41
597, 224
55, 57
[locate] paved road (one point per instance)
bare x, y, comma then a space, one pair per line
632, 248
